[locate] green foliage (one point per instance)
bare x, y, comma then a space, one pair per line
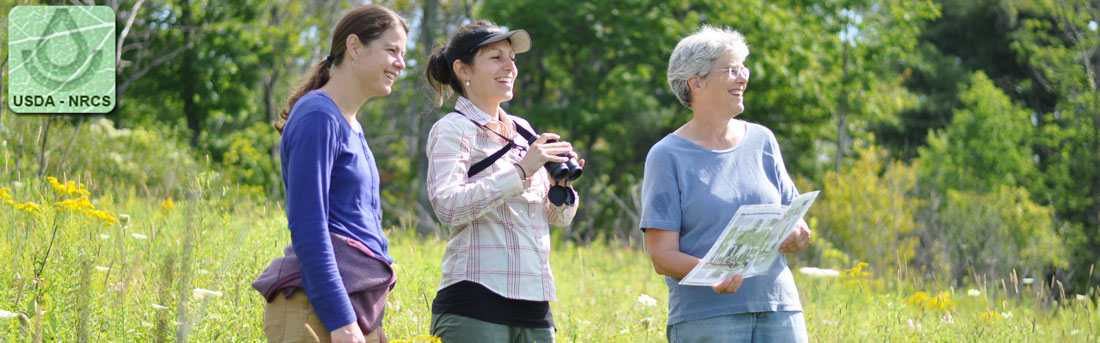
183, 273
995, 233
1060, 44
988, 143
869, 211
249, 162
146, 159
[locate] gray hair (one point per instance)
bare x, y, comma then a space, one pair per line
695, 56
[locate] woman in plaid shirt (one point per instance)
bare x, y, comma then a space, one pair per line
496, 284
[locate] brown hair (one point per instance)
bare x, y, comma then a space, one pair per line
440, 71
366, 22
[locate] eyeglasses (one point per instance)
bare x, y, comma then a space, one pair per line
736, 71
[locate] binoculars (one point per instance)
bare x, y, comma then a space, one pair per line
569, 170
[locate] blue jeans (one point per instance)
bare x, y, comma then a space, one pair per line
742, 327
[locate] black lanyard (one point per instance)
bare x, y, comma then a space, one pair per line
488, 161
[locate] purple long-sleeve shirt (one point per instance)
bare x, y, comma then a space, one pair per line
331, 186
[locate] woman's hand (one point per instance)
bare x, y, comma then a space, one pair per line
541, 152
729, 286
348, 334
799, 239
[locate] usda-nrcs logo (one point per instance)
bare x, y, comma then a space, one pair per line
62, 59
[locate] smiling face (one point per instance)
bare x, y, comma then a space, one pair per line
492, 74
381, 62
720, 90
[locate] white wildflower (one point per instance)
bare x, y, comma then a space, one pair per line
160, 307
104, 237
139, 236
973, 292
830, 322
1006, 315
623, 331
818, 272
1074, 332
204, 271
200, 293
647, 300
146, 324
947, 319
102, 269
1092, 25
1028, 281
1082, 297
6, 315
124, 219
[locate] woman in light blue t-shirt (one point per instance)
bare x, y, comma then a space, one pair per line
695, 180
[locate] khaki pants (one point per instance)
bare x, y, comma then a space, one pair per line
293, 321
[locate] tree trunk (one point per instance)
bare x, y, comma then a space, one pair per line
421, 121
188, 79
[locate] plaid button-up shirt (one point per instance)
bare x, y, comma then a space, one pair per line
500, 224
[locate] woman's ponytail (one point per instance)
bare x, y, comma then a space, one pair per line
318, 76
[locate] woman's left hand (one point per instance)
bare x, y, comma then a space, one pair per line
798, 240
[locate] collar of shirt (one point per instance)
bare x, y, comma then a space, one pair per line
467, 108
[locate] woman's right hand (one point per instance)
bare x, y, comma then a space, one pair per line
348, 334
541, 152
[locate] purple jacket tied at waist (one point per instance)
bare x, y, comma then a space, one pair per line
367, 278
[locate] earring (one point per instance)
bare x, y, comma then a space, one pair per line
354, 63
467, 83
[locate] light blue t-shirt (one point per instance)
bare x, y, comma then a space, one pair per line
696, 191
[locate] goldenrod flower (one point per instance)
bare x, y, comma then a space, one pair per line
9, 202
990, 315
75, 204
69, 188
168, 205
29, 207
857, 272
107, 218
4, 193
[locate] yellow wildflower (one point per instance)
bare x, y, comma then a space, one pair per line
69, 188
75, 204
8, 202
4, 193
420, 338
105, 216
29, 207
941, 301
857, 272
168, 205
991, 316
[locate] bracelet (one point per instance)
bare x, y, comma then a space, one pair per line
524, 172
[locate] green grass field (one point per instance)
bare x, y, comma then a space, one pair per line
173, 269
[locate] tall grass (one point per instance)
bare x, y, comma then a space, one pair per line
181, 269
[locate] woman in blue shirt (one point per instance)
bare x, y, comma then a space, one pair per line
333, 281
695, 180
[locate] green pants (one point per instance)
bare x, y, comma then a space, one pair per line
453, 328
